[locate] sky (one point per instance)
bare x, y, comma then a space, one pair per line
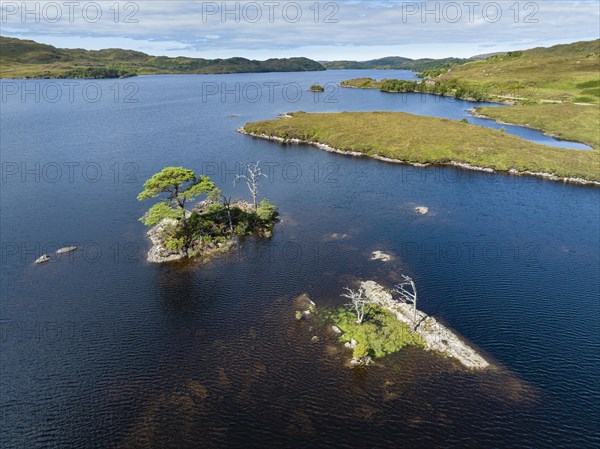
320, 30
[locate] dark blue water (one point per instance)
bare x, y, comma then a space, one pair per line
102, 349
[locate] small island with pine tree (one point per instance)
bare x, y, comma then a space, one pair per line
212, 225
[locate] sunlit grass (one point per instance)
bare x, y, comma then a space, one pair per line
414, 138
567, 121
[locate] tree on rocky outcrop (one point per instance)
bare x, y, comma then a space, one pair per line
180, 186
358, 302
218, 195
407, 292
252, 179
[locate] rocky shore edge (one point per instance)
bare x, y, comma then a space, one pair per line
437, 337
463, 165
159, 253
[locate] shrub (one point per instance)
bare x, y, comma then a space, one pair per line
266, 211
360, 351
174, 244
380, 333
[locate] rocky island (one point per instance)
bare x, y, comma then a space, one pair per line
434, 335
375, 324
212, 225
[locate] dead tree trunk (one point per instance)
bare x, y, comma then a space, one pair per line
358, 301
407, 292
252, 179
227, 204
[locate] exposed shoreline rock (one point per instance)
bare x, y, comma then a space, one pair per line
463, 165
437, 337
364, 361
380, 255
66, 249
43, 259
159, 253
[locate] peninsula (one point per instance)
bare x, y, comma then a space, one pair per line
555, 90
413, 139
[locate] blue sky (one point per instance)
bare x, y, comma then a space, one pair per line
323, 30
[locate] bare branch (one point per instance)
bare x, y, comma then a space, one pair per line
407, 291
252, 179
358, 301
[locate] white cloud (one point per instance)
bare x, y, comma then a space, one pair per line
364, 29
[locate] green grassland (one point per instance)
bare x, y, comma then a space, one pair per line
29, 59
567, 121
563, 73
430, 140
556, 89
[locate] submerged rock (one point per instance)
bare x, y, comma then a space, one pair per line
337, 236
197, 390
43, 258
303, 301
422, 210
315, 339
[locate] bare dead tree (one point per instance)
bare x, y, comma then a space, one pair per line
227, 203
407, 292
252, 179
358, 301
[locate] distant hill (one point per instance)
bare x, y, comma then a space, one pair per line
28, 59
395, 63
568, 72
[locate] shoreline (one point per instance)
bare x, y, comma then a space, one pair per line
476, 114
158, 253
506, 102
456, 164
437, 337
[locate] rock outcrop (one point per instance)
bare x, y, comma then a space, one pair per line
66, 249
159, 253
304, 302
380, 255
43, 258
437, 337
